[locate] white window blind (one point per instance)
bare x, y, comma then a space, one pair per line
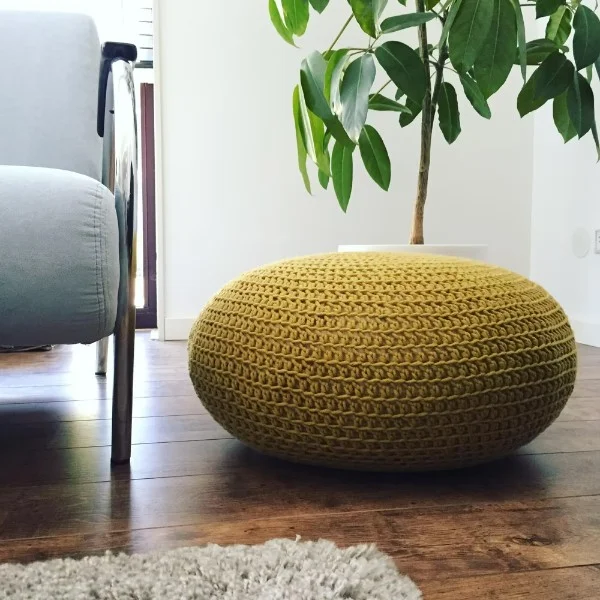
117, 20
140, 22
108, 14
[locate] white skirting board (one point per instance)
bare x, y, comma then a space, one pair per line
178, 329
586, 332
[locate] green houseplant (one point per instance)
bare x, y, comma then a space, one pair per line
464, 46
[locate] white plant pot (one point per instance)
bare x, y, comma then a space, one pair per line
472, 251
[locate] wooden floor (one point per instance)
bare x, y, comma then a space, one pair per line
525, 527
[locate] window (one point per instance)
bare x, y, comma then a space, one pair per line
117, 20
139, 17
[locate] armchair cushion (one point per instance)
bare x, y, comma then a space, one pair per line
49, 96
59, 257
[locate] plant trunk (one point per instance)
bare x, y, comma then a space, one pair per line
417, 235
428, 118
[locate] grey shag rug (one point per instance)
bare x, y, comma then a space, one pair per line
277, 570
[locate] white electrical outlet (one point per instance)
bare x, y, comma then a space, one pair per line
597, 241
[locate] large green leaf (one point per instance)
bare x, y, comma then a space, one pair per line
295, 14
475, 96
454, 9
382, 103
405, 21
553, 76
545, 8
495, 60
527, 101
404, 67
469, 32
562, 120
318, 132
559, 26
354, 95
278, 23
448, 112
324, 177
306, 129
375, 157
312, 130
333, 77
539, 50
580, 103
521, 37
319, 5
586, 41
549, 80
342, 173
312, 79
414, 108
302, 154
368, 14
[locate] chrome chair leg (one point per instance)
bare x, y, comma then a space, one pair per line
102, 356
122, 153
123, 388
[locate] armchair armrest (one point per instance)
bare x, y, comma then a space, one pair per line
117, 112
111, 51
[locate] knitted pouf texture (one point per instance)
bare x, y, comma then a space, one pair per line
383, 361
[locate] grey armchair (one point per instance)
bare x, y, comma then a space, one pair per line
68, 154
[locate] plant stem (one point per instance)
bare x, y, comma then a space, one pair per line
382, 88
339, 35
430, 103
417, 235
439, 78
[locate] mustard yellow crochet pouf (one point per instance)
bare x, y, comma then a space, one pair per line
383, 361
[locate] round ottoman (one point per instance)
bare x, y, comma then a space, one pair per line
382, 361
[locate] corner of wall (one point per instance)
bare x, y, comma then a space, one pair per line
586, 332
177, 329
160, 237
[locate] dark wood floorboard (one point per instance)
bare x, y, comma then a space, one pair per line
526, 527
84, 434
427, 542
538, 476
554, 584
581, 409
101, 409
92, 389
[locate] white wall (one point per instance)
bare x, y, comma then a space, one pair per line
232, 197
566, 206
